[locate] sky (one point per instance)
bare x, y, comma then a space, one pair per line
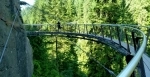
31, 2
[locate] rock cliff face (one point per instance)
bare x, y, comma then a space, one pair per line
17, 58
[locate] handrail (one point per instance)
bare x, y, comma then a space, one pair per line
127, 71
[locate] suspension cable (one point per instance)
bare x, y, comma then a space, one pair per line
110, 71
4, 49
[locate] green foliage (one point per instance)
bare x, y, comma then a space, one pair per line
56, 56
106, 57
42, 64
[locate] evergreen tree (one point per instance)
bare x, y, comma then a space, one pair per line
63, 57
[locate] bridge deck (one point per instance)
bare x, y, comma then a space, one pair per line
146, 62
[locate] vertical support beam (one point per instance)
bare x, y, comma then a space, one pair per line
94, 29
128, 48
71, 28
128, 58
102, 31
57, 58
141, 64
86, 29
49, 27
39, 28
62, 27
148, 33
119, 40
110, 33
55, 29
79, 28
75, 28
67, 28
134, 42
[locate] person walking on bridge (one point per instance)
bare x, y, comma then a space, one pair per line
58, 25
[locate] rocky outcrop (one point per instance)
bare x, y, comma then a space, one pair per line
17, 58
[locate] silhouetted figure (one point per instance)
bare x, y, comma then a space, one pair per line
128, 58
58, 25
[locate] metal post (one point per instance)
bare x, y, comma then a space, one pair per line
67, 28
110, 32
148, 34
102, 31
134, 42
62, 27
118, 36
78, 28
126, 72
75, 28
142, 70
57, 58
49, 27
86, 29
55, 27
128, 48
94, 29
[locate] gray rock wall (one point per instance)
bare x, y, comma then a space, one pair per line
17, 59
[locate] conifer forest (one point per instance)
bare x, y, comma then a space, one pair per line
56, 56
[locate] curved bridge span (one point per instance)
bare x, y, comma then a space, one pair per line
127, 40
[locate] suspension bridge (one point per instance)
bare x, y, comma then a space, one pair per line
126, 39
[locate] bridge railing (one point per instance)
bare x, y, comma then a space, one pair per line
104, 30
123, 35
